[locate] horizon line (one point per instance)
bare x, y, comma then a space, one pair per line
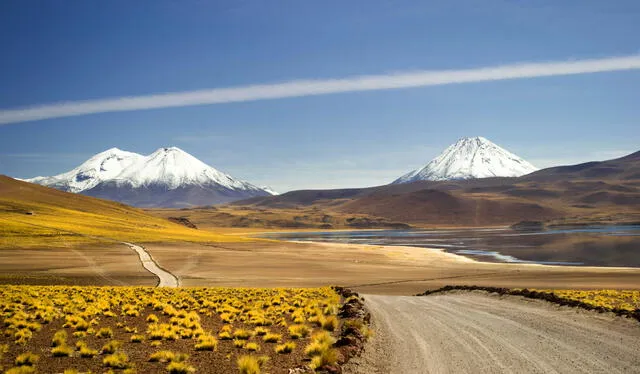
315, 87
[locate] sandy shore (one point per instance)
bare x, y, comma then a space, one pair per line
367, 268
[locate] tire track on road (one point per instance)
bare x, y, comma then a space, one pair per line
482, 333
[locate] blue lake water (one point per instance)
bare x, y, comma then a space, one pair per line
571, 246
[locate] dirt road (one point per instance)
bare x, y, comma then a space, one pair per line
166, 278
482, 333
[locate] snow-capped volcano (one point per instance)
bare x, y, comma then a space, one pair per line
169, 177
102, 167
173, 167
471, 158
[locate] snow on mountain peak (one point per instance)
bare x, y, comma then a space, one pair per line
469, 158
173, 167
169, 167
101, 167
269, 190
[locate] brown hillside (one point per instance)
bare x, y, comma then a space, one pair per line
35, 216
593, 191
433, 206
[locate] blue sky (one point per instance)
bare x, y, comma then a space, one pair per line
59, 51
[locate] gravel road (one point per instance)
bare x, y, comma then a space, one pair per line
483, 333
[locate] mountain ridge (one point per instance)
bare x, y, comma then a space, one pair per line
470, 158
598, 191
168, 177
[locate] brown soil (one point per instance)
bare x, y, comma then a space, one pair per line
113, 264
367, 269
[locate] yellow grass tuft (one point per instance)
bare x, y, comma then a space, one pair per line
328, 356
299, 331
272, 338
329, 323
315, 349
59, 338
118, 360
87, 352
27, 359
105, 332
180, 368
238, 343
162, 356
242, 334
62, 351
248, 365
136, 338
206, 343
111, 347
285, 348
260, 331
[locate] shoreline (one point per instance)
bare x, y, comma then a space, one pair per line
505, 255
434, 251
461, 259
391, 270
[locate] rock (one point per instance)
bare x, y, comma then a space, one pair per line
330, 369
300, 370
182, 221
346, 340
351, 311
528, 226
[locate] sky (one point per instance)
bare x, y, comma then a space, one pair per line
301, 94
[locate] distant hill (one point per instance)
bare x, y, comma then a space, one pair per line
35, 216
600, 190
623, 168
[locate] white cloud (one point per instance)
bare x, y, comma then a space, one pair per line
298, 88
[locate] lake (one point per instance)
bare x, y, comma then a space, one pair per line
571, 246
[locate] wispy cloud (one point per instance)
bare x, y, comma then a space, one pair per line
298, 88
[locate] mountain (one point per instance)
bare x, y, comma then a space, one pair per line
470, 158
169, 177
270, 190
594, 192
100, 168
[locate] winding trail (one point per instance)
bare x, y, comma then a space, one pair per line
166, 278
483, 333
